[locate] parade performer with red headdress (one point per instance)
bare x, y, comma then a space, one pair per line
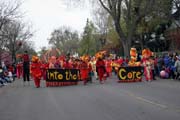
146, 53
36, 70
83, 70
100, 68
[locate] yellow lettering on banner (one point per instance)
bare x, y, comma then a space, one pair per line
120, 73
55, 74
60, 77
74, 77
134, 74
51, 75
138, 75
130, 75
67, 75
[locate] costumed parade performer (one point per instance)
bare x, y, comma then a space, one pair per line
36, 71
19, 69
109, 67
100, 68
146, 54
84, 70
93, 65
44, 69
133, 60
52, 61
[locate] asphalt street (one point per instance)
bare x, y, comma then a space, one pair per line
156, 100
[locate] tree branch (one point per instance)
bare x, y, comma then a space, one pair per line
105, 7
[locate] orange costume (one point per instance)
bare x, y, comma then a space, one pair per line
36, 70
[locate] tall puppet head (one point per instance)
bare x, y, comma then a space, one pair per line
133, 54
146, 53
35, 59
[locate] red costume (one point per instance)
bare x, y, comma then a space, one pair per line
146, 53
36, 71
19, 70
44, 70
84, 71
108, 67
67, 65
100, 68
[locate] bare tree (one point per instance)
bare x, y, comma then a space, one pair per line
15, 33
64, 39
101, 18
9, 11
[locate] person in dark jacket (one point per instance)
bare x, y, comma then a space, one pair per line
26, 68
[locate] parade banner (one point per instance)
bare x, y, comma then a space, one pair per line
130, 74
62, 77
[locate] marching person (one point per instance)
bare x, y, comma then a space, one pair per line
36, 71
26, 68
84, 71
100, 68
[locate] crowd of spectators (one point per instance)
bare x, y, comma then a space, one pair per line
7, 74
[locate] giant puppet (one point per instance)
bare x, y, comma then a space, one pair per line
133, 60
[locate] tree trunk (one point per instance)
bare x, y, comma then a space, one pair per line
125, 46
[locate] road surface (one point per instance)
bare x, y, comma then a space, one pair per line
156, 100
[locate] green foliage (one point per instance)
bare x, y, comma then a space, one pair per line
159, 15
88, 42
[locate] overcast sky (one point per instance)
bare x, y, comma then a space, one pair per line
47, 15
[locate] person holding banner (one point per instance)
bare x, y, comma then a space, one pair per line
36, 71
84, 71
